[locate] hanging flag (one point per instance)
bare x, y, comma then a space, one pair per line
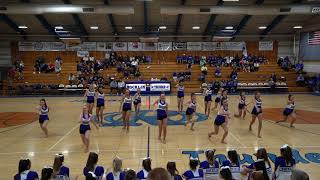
314, 38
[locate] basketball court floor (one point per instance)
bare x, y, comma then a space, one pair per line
21, 136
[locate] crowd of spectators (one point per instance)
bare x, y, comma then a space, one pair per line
41, 66
208, 168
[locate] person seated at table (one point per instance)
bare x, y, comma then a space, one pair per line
217, 72
121, 86
113, 86
164, 78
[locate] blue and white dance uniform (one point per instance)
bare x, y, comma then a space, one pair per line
63, 173
211, 172
223, 98
162, 110
100, 100
218, 98
242, 102
180, 90
98, 171
268, 168
257, 108
137, 99
194, 175
191, 108
116, 176
143, 174
176, 177
220, 119
208, 95
283, 170
234, 168
85, 123
126, 106
90, 96
43, 114
27, 175
289, 109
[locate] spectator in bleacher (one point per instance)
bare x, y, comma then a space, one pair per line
189, 67
121, 87
217, 72
204, 70
174, 76
299, 67
317, 82
273, 77
202, 60
172, 169
58, 65
113, 86
51, 67
154, 79
300, 80
19, 68
37, 65
164, 78
85, 59
71, 79
234, 74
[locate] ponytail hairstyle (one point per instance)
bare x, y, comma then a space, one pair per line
233, 156
92, 161
44, 101
46, 173
225, 173
210, 156
172, 168
193, 163
117, 164
58, 162
289, 97
262, 154
146, 164
286, 153
24, 164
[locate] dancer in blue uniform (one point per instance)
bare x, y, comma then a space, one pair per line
225, 173
125, 105
234, 164
89, 94
162, 116
242, 106
195, 173
180, 95
261, 164
172, 169
24, 171
100, 105
218, 98
43, 116
59, 170
92, 167
221, 120
289, 111
257, 112
284, 164
224, 96
85, 119
117, 172
191, 110
146, 168
210, 166
137, 101
207, 100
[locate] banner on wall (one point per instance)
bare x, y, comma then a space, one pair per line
42, 46
179, 46
119, 46
73, 46
164, 46
194, 46
89, 46
104, 46
134, 46
82, 53
149, 46
208, 46
265, 45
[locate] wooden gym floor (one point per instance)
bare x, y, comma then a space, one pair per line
20, 135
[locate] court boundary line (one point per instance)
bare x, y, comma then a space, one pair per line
157, 149
63, 137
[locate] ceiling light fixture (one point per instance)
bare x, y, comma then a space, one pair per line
162, 27
196, 27
229, 27
22, 27
128, 27
262, 27
297, 27
58, 27
94, 27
